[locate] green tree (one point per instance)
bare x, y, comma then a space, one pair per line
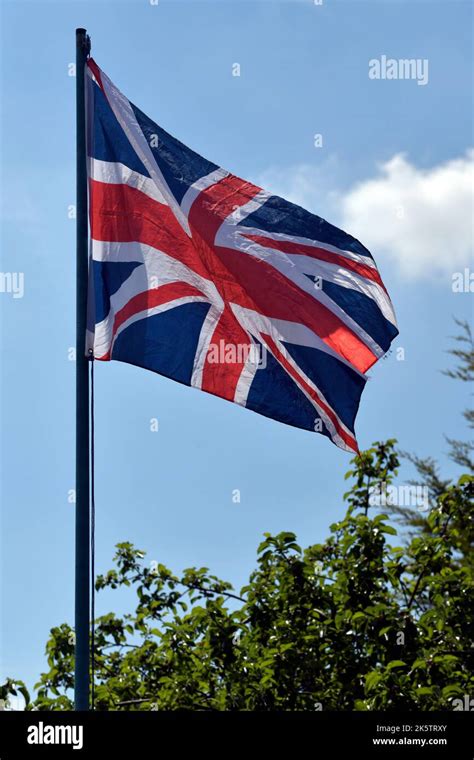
351, 623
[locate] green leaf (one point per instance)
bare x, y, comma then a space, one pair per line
388, 529
372, 680
396, 664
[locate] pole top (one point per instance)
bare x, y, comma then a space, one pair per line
83, 40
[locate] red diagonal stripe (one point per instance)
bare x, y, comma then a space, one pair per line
97, 73
346, 437
155, 297
363, 270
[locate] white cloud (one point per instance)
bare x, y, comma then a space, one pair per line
421, 219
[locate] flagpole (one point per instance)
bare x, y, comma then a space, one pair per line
82, 568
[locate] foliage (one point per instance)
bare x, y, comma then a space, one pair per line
354, 623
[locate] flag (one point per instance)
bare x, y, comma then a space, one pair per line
213, 282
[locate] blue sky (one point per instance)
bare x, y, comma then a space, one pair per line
393, 165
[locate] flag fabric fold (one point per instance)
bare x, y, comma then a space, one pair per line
211, 281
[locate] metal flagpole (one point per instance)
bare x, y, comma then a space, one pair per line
82, 579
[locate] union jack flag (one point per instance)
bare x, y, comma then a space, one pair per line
190, 264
